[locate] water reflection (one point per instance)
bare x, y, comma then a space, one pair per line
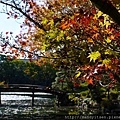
16, 96
20, 106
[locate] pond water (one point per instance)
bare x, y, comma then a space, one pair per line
10, 96
18, 107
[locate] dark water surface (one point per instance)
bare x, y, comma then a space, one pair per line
15, 107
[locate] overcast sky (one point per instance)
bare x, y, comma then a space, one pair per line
9, 25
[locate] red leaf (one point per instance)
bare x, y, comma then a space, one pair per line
15, 16
23, 43
93, 11
111, 76
61, 80
76, 84
117, 34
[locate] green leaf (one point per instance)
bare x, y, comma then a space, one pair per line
60, 35
52, 34
44, 46
94, 56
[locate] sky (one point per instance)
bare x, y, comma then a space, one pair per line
9, 25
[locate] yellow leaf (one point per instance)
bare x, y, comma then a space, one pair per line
52, 35
41, 32
75, 99
106, 61
51, 23
68, 38
99, 13
108, 40
44, 46
44, 21
61, 34
71, 96
94, 56
107, 23
108, 52
78, 74
2, 83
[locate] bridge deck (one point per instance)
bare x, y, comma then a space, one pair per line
30, 88
23, 90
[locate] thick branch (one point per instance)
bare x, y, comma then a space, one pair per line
107, 7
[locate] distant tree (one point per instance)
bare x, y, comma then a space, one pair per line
3, 58
20, 72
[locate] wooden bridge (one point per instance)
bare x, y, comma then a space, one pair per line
32, 89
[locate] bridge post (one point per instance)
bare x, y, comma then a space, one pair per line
0, 98
32, 98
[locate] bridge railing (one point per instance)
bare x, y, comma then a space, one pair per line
26, 86
32, 89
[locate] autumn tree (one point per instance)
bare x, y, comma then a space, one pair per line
82, 40
75, 36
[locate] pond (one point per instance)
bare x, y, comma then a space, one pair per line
19, 107
16, 107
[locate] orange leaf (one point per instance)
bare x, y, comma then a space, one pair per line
90, 81
95, 28
65, 25
112, 37
90, 40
